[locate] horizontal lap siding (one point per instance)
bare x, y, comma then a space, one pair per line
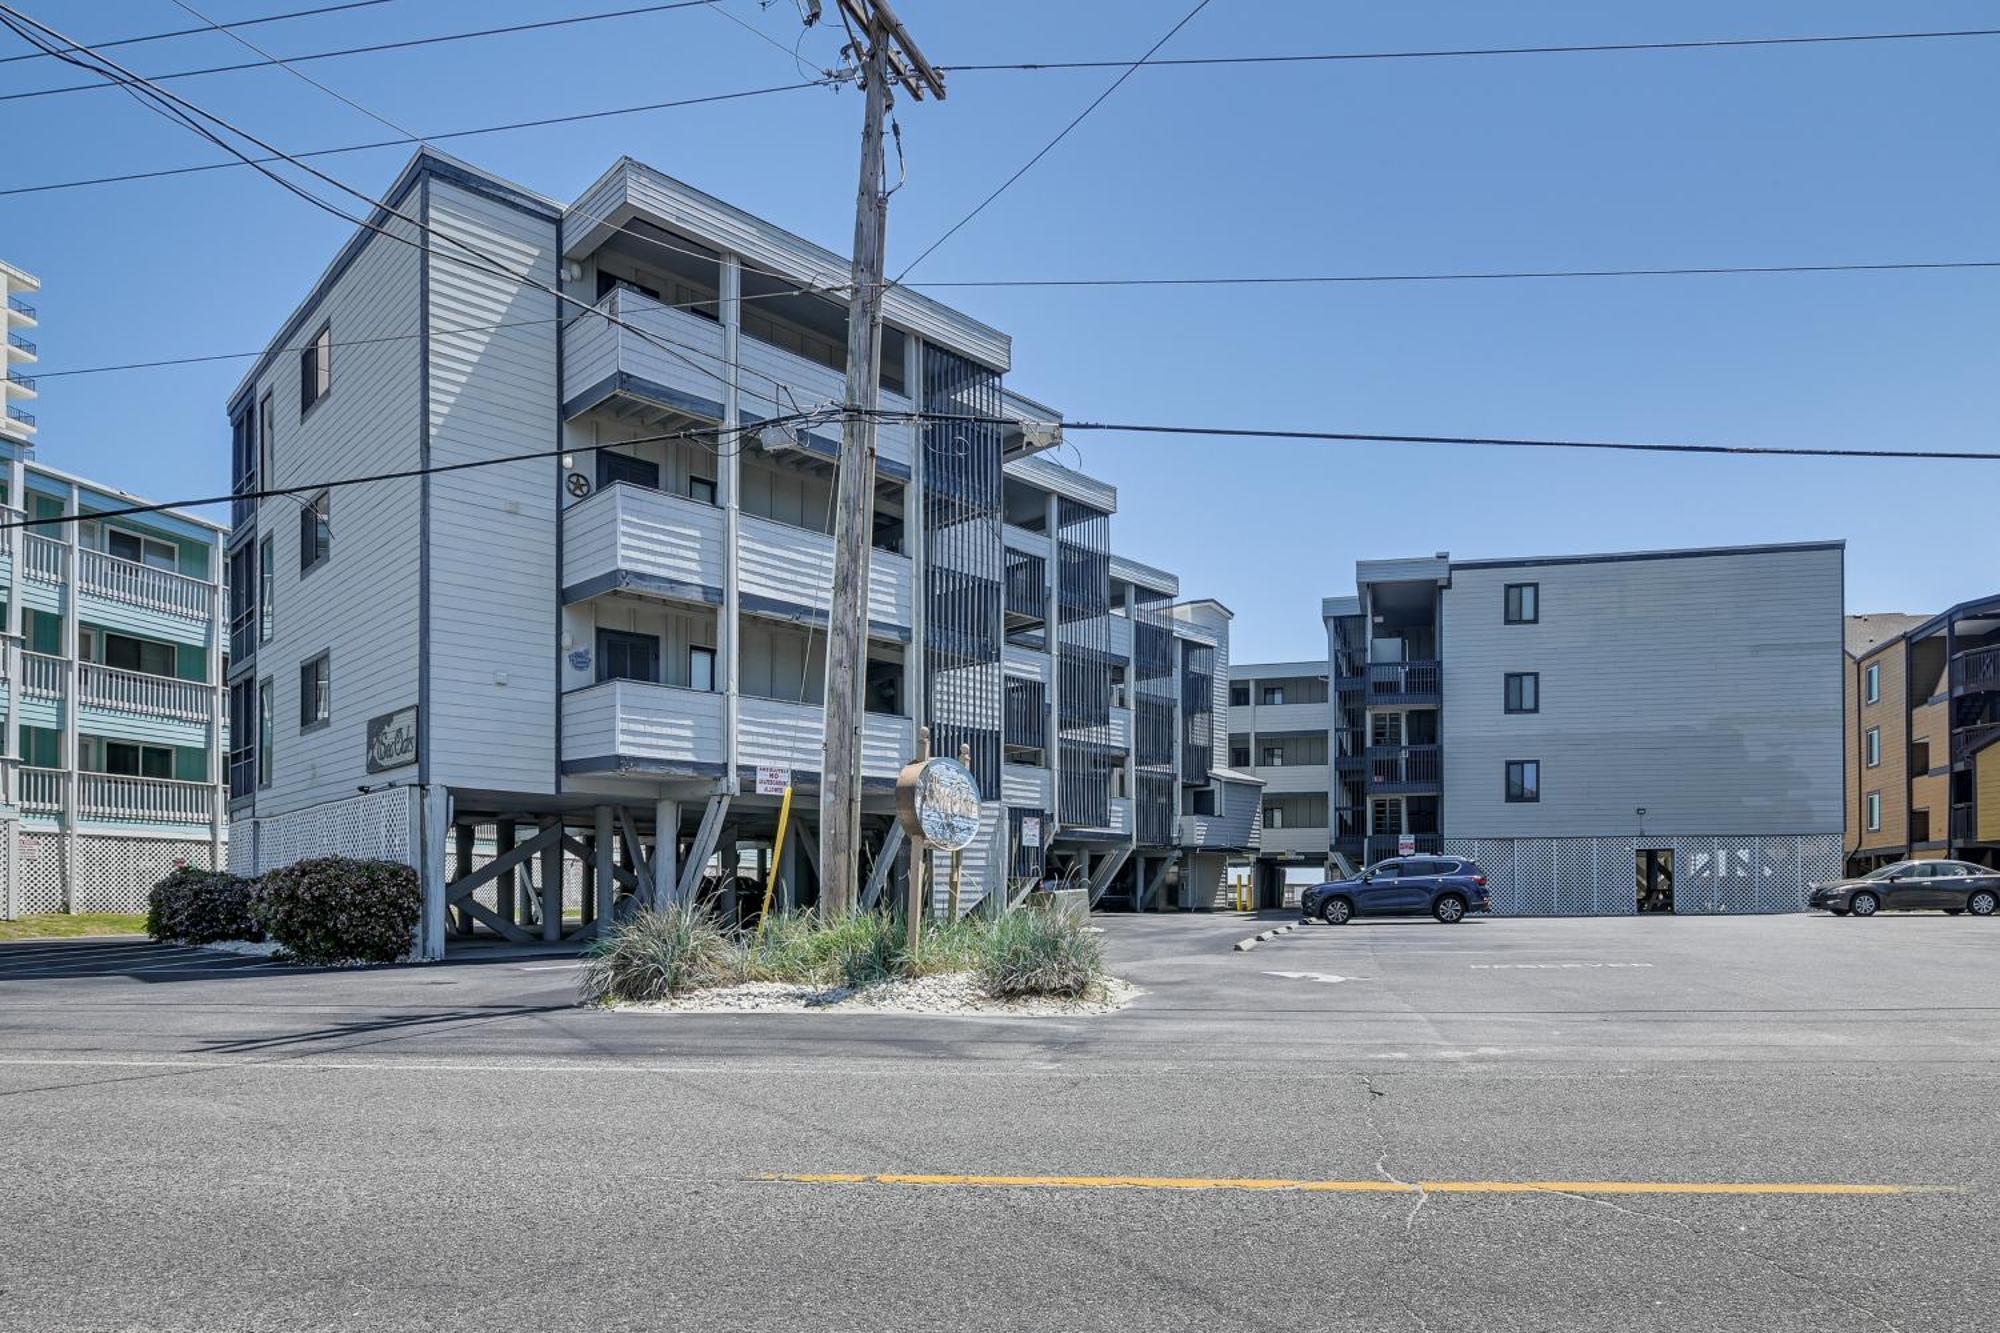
1706, 689
361, 604
492, 529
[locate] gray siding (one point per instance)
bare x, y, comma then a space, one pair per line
361, 605
492, 529
1705, 688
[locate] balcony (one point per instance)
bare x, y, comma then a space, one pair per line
1971, 740
1027, 591
1978, 669
23, 346
22, 386
1395, 770
774, 382
139, 695
638, 726
1025, 662
20, 307
22, 416
1119, 640
1282, 778
602, 359
1403, 683
773, 733
628, 536
1027, 788
117, 799
782, 570
1310, 841
1273, 718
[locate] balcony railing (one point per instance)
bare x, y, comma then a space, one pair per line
1394, 768
41, 791
1966, 743
142, 585
1964, 823
22, 415
15, 340
136, 692
111, 796
1402, 682
42, 676
25, 381
46, 558
17, 304
1027, 585
1976, 670
1381, 846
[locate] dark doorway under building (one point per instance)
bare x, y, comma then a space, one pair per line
1654, 872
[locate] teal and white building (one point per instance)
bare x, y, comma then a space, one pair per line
113, 666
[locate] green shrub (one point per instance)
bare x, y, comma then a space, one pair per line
338, 909
193, 906
1039, 953
657, 955
864, 949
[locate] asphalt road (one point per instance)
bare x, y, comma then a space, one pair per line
187, 1142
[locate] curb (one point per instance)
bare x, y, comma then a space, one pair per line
1245, 946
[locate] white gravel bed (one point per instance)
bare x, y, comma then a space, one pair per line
946, 993
266, 949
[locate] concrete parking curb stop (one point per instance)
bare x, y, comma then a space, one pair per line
1245, 946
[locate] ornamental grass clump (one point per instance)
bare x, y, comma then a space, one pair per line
658, 955
341, 909
193, 906
1038, 953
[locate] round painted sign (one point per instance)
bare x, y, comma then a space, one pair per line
939, 802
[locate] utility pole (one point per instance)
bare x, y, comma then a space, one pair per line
889, 53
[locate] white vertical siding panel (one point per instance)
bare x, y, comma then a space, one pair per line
492, 529
361, 605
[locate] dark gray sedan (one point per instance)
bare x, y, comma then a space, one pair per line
1914, 886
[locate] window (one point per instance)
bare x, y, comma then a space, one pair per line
1239, 696
1524, 780
267, 726
140, 549
267, 588
316, 369
125, 653
702, 489
315, 531
1523, 691
1274, 816
701, 668
315, 693
1203, 800
633, 471
1874, 686
1920, 756
242, 739
1273, 694
1385, 816
1392, 870
1523, 603
1239, 756
267, 435
1874, 812
132, 760
1274, 756
1872, 750
624, 656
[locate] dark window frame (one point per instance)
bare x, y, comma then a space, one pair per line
698, 651
1519, 790
316, 370
309, 690
611, 462
264, 703
627, 640
694, 483
1521, 603
1521, 692
315, 532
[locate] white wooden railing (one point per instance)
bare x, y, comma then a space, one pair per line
9, 516
143, 585
41, 676
41, 790
136, 692
44, 558
155, 800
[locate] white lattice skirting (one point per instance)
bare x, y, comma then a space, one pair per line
376, 826
112, 873
1596, 876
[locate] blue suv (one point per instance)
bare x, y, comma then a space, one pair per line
1447, 887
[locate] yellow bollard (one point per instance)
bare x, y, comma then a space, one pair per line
777, 855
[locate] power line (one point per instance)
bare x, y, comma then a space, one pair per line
538, 123
1449, 52
192, 32
1050, 145
402, 45
1497, 275
823, 416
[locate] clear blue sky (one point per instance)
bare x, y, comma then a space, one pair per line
1861, 153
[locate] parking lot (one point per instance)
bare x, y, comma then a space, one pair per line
1383, 1125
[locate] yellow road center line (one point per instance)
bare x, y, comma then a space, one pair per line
1355, 1186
